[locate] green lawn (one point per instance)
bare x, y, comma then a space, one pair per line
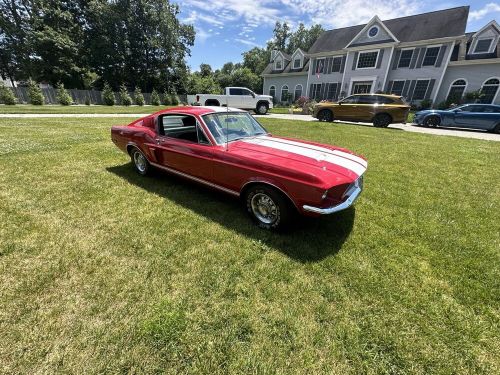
102, 271
78, 109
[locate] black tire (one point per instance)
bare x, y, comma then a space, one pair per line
268, 207
432, 121
382, 120
261, 108
496, 129
325, 115
140, 162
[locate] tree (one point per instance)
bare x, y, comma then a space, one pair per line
125, 98
281, 34
108, 96
35, 94
303, 38
155, 98
6, 95
205, 70
138, 97
63, 97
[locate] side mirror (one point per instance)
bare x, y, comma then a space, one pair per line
253, 95
457, 110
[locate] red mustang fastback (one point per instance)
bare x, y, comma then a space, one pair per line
227, 149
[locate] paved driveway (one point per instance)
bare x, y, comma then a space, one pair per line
476, 134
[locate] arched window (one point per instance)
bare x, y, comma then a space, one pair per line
457, 90
298, 91
284, 93
489, 90
272, 91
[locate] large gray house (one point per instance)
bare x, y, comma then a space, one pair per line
426, 56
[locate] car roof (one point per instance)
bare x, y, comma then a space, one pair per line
198, 110
386, 95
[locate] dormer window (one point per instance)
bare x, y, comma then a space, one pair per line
278, 65
297, 63
483, 45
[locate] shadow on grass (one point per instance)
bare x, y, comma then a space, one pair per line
309, 239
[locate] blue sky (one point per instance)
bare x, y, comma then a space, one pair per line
227, 28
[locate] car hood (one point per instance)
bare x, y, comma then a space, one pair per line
315, 162
265, 96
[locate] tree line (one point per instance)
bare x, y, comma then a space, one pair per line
84, 44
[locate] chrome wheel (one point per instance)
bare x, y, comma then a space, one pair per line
264, 208
140, 162
262, 109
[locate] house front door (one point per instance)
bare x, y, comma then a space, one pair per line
362, 87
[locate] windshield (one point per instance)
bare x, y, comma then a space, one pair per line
231, 126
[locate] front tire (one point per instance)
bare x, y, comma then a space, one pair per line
262, 108
140, 162
268, 208
382, 120
325, 115
432, 121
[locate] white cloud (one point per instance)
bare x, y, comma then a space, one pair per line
247, 42
342, 13
486, 10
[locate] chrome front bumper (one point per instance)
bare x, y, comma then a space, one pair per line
339, 207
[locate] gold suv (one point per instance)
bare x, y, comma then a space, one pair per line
379, 109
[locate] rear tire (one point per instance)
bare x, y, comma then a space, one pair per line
140, 162
382, 120
325, 115
432, 121
261, 108
496, 129
268, 207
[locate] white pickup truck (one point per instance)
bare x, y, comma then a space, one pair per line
239, 97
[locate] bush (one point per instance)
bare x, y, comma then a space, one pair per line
87, 100
138, 97
108, 96
155, 98
473, 96
425, 104
6, 95
166, 99
35, 94
62, 96
125, 98
174, 100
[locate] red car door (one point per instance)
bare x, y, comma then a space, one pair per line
182, 146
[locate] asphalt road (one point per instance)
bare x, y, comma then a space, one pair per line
464, 133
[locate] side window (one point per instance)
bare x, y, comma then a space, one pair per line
246, 92
366, 99
183, 127
476, 108
383, 100
235, 91
350, 100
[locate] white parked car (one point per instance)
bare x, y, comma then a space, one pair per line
239, 97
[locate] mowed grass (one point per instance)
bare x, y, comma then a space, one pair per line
78, 109
103, 271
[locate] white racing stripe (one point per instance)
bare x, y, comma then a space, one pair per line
318, 155
343, 154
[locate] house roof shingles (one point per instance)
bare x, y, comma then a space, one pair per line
432, 25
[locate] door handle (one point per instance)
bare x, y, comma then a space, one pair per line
158, 141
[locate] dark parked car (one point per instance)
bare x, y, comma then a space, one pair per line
472, 116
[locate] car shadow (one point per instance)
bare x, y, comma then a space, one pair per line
366, 124
453, 128
308, 240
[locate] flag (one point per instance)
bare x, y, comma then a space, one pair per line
319, 67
